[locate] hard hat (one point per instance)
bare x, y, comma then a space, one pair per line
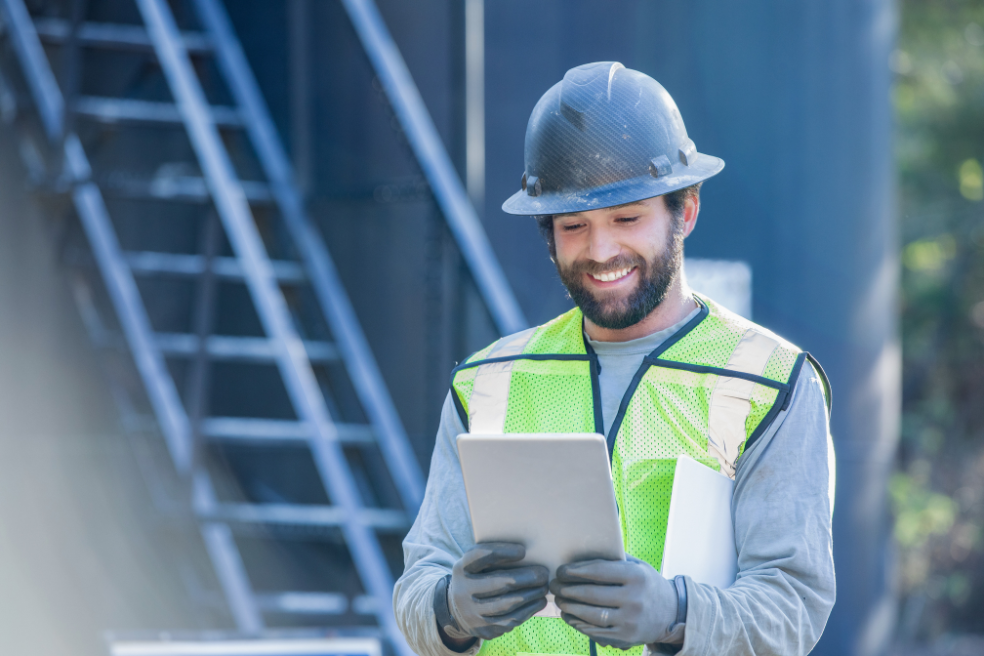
605, 135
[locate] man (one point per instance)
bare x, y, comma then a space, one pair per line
613, 181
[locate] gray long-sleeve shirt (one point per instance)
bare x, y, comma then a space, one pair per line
781, 512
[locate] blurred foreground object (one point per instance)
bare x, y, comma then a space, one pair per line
302, 647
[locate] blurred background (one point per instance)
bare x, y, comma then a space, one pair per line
243, 244
937, 487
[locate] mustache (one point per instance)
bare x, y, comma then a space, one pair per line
622, 261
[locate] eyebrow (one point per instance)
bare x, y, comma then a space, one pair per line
616, 207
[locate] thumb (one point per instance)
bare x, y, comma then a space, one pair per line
491, 555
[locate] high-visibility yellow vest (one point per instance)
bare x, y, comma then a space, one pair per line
709, 391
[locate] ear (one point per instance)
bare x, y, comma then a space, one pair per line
691, 209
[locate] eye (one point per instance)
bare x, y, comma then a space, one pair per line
627, 219
570, 227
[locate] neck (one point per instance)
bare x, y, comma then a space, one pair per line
679, 302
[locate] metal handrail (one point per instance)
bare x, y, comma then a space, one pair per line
295, 369
324, 278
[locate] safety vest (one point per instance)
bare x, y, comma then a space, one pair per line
709, 391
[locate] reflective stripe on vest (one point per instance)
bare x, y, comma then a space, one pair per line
731, 399
490, 395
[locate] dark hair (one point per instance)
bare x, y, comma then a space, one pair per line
675, 201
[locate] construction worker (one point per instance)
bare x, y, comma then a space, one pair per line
613, 182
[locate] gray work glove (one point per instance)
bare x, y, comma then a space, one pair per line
618, 603
486, 598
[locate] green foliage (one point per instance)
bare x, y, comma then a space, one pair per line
938, 490
920, 513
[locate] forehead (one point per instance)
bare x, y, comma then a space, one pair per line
637, 205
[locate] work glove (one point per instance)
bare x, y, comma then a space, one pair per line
485, 597
617, 603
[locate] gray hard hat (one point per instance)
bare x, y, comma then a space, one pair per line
604, 136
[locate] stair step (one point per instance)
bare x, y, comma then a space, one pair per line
114, 35
183, 188
121, 110
313, 603
250, 429
312, 516
248, 349
180, 264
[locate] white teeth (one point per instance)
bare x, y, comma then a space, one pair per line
611, 275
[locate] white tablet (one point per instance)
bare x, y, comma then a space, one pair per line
551, 492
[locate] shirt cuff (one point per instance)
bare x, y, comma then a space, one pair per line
434, 636
703, 614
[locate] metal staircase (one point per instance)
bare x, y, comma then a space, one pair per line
223, 169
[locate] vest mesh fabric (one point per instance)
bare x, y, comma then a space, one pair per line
534, 382
712, 341
667, 416
560, 335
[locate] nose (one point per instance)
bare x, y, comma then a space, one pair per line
602, 245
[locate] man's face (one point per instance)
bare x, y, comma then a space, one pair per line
618, 263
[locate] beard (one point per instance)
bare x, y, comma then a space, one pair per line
607, 309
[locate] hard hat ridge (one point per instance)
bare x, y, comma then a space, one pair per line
575, 96
603, 136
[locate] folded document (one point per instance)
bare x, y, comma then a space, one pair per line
700, 537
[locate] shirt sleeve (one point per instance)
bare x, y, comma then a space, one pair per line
781, 510
440, 535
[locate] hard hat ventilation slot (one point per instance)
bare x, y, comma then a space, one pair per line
660, 166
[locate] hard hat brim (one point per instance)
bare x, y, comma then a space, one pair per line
617, 193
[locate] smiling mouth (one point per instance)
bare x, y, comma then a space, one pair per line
612, 276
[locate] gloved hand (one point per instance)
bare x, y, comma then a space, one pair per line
486, 598
618, 603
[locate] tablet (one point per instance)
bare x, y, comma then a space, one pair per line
551, 492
